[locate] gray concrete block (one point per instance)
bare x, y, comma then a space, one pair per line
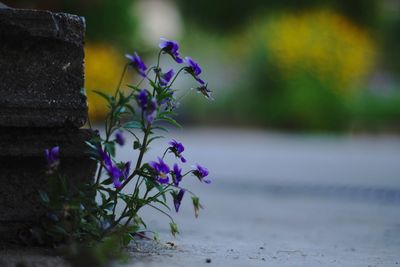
41, 69
23, 172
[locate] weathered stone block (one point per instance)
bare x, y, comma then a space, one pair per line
23, 172
41, 69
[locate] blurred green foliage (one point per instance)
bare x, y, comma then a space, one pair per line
302, 71
230, 15
107, 20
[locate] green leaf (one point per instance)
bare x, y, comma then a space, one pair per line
107, 181
120, 110
126, 239
103, 95
133, 87
58, 229
174, 228
44, 197
156, 237
170, 120
89, 144
133, 125
149, 185
154, 138
162, 203
165, 113
139, 221
110, 148
160, 188
109, 206
160, 128
196, 205
136, 145
130, 108
133, 228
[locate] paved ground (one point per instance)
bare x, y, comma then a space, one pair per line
283, 200
288, 200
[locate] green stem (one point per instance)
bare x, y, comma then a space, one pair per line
120, 80
176, 76
163, 212
165, 153
140, 158
157, 71
147, 73
109, 126
150, 199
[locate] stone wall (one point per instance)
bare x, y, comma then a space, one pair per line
42, 105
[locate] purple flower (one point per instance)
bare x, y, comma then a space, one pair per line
119, 138
201, 172
205, 91
177, 173
166, 77
53, 157
148, 106
177, 148
104, 156
171, 48
161, 169
113, 171
151, 111
142, 99
126, 170
137, 63
178, 198
194, 69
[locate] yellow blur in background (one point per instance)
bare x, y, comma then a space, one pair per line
320, 42
103, 69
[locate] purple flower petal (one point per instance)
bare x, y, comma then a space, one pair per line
142, 99
52, 156
104, 156
201, 81
126, 170
171, 47
137, 63
119, 138
177, 174
163, 180
178, 199
200, 172
117, 183
177, 148
166, 77
151, 110
194, 69
112, 170
161, 170
193, 66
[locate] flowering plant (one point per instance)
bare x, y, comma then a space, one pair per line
74, 214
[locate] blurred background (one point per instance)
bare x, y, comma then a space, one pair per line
308, 66
302, 139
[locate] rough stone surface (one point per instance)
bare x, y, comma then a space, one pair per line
23, 142
41, 69
22, 171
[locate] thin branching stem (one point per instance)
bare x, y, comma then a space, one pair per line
176, 76
163, 212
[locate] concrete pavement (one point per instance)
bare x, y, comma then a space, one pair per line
279, 200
